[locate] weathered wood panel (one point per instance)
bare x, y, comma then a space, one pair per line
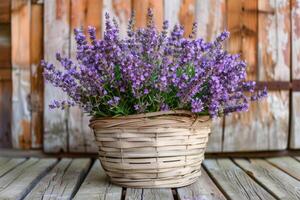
235, 183
7, 164
68, 173
5, 105
21, 114
203, 188
37, 83
84, 13
97, 186
140, 10
5, 11
56, 39
151, 194
265, 126
211, 18
119, 10
274, 180
187, 15
295, 117
287, 164
181, 12
18, 182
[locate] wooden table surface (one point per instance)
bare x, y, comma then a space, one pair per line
83, 178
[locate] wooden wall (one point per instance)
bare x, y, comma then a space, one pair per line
265, 32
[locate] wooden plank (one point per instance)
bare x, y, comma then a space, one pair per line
235, 183
68, 173
171, 12
295, 121
295, 118
5, 11
203, 188
5, 46
265, 126
84, 13
119, 10
9, 164
187, 15
37, 82
140, 9
18, 182
274, 180
211, 19
5, 75
151, 194
288, 164
5, 114
97, 186
21, 115
56, 14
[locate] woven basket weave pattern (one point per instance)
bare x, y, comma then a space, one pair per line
161, 149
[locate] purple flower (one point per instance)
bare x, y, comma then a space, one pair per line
150, 71
197, 105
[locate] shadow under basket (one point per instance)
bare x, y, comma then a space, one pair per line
153, 150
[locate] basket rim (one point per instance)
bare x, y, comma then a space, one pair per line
155, 114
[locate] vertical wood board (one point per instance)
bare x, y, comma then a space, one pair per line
84, 13
21, 113
37, 82
56, 39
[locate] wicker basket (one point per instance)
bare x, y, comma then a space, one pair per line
153, 150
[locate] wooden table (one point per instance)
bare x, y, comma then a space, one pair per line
83, 178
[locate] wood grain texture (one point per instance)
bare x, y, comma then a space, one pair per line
287, 164
295, 120
264, 127
84, 13
295, 17
187, 15
211, 18
149, 194
21, 114
68, 173
5, 74
96, 186
119, 10
171, 12
5, 113
204, 188
235, 183
8, 164
37, 82
140, 9
274, 180
5, 11
18, 182
56, 39
273, 40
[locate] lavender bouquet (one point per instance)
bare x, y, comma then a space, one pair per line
151, 71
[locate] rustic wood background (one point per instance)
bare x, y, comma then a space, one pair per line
265, 32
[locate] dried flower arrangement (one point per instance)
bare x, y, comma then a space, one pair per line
151, 71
